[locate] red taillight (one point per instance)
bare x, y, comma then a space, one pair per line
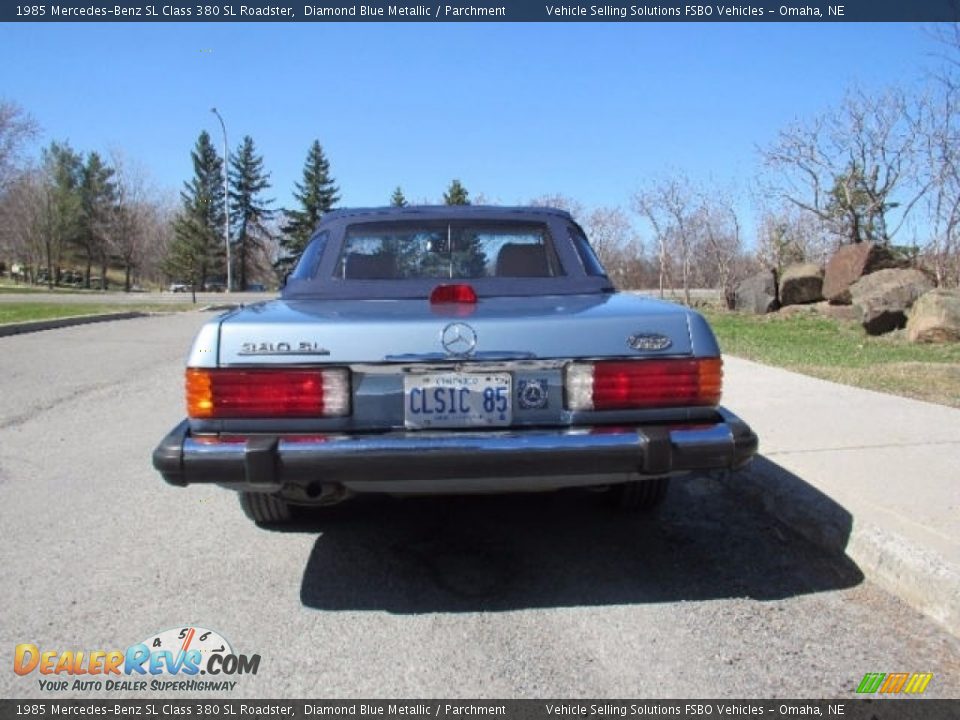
638, 384
459, 293
225, 393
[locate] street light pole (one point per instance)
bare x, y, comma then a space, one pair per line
226, 198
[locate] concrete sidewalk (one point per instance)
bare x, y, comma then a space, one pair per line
875, 476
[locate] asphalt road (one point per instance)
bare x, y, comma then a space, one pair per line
464, 597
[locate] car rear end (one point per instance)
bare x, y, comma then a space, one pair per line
313, 398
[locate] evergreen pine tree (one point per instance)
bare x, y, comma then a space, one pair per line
61, 224
98, 194
398, 199
317, 194
248, 210
456, 194
197, 251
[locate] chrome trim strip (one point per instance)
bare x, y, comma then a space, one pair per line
484, 356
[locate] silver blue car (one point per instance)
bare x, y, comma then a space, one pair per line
456, 349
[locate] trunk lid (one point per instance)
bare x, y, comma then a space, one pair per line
410, 330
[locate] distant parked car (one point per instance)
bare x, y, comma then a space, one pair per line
214, 286
178, 286
433, 350
256, 287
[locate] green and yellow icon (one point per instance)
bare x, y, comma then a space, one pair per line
894, 683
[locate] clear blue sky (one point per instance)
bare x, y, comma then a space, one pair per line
514, 110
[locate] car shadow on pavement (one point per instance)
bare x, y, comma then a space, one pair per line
795, 502
500, 553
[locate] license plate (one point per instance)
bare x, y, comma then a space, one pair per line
457, 400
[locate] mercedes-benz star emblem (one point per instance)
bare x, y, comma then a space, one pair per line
458, 339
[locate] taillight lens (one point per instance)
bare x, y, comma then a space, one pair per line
227, 393
456, 293
637, 384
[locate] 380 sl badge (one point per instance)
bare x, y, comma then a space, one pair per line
282, 348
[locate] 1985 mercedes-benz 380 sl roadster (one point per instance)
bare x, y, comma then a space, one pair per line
438, 350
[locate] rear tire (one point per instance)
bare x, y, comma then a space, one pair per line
639, 496
265, 509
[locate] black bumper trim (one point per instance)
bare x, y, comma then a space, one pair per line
268, 462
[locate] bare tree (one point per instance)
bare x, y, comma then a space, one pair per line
561, 202
611, 231
22, 222
482, 198
17, 128
129, 233
629, 266
157, 224
852, 166
669, 207
943, 201
141, 230
789, 235
612, 236
941, 146
718, 245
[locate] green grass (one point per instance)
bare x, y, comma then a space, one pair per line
21, 289
843, 352
27, 311
18, 289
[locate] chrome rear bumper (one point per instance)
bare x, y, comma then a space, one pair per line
455, 461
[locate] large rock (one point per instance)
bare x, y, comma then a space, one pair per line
845, 313
883, 298
935, 317
801, 284
849, 264
758, 293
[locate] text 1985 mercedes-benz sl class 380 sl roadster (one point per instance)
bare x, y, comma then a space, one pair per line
461, 349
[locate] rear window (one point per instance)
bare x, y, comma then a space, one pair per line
307, 265
417, 250
591, 263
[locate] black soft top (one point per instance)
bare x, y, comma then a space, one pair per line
321, 282
444, 212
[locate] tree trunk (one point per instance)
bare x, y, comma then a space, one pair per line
662, 263
49, 254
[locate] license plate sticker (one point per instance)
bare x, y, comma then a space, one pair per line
457, 400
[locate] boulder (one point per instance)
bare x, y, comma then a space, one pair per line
845, 313
801, 284
758, 293
809, 309
849, 264
882, 298
935, 317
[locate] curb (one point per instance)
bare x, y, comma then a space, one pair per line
920, 577
38, 325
